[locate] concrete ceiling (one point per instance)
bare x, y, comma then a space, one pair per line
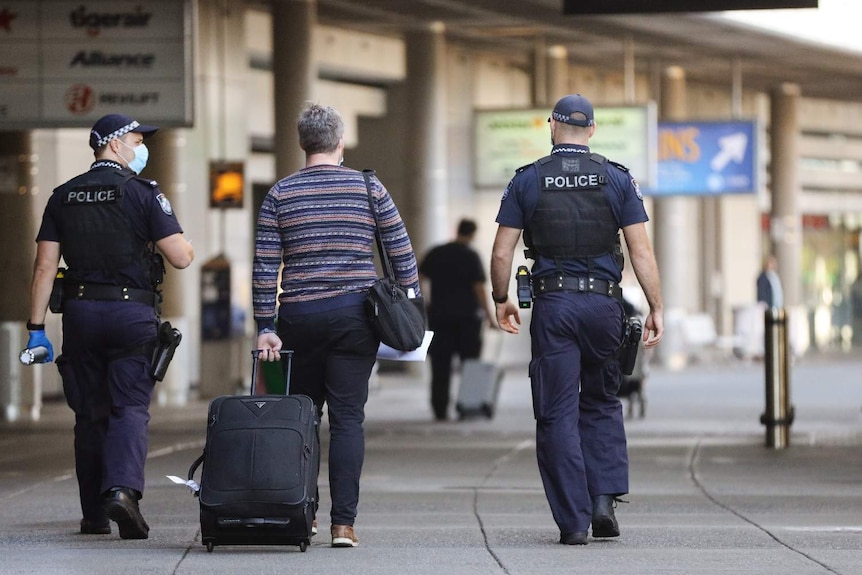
707, 46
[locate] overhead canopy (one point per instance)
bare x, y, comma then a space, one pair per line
705, 44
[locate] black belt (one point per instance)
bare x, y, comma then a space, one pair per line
548, 284
111, 293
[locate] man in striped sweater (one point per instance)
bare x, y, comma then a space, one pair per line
318, 223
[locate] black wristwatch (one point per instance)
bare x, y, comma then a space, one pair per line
496, 299
35, 326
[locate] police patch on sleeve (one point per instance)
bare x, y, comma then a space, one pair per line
637, 189
165, 204
506, 192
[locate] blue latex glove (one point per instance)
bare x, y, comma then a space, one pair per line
38, 338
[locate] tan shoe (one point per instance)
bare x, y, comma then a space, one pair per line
343, 536
314, 527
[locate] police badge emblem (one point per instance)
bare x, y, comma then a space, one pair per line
165, 204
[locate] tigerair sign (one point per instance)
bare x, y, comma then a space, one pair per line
65, 64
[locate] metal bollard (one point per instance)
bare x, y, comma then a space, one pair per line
778, 415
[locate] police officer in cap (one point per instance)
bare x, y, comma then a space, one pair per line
571, 206
107, 224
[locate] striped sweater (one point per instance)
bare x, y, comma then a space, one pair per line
318, 223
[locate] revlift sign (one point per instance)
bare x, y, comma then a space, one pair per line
658, 6
66, 63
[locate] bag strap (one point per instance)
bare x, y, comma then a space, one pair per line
387, 265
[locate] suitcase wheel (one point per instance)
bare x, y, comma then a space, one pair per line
303, 546
210, 546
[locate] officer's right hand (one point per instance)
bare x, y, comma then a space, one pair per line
39, 339
269, 345
653, 329
508, 317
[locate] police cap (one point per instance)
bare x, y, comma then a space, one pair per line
115, 126
570, 105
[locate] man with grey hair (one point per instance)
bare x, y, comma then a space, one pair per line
318, 223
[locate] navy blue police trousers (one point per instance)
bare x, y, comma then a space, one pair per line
105, 369
580, 437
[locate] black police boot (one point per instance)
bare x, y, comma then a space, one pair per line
121, 505
604, 522
574, 538
95, 526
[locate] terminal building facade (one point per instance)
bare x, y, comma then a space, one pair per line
409, 85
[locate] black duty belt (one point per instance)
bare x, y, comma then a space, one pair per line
548, 284
110, 293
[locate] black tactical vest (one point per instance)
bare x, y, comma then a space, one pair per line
573, 218
96, 233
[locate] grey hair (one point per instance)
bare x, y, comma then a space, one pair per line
320, 129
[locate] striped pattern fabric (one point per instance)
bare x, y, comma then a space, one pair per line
317, 222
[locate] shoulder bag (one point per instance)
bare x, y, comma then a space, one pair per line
398, 320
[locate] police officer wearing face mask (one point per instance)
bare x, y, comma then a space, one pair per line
571, 206
106, 224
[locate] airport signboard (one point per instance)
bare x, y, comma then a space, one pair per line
67, 63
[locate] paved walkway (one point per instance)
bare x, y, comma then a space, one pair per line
465, 497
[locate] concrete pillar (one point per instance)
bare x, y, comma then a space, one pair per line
426, 212
220, 134
166, 166
558, 74
676, 241
540, 72
786, 221
629, 75
294, 73
17, 232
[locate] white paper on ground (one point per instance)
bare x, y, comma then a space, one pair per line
418, 354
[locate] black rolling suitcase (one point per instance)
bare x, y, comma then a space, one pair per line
260, 463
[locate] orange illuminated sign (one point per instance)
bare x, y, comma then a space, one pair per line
226, 184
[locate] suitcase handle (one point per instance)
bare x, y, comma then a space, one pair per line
194, 467
255, 354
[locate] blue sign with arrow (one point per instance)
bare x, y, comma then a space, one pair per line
706, 158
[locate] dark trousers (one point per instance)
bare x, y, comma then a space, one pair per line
580, 438
334, 353
106, 380
451, 337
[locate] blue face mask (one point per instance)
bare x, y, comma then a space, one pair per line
139, 162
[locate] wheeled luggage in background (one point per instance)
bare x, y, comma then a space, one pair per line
479, 388
260, 464
480, 381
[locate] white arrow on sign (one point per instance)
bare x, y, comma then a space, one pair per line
732, 149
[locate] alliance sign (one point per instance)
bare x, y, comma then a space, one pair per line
65, 64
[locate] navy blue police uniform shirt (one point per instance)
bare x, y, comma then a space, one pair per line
522, 194
149, 212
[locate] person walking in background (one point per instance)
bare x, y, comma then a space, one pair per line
105, 223
458, 307
318, 223
769, 289
571, 206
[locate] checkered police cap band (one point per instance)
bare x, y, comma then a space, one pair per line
119, 132
114, 126
573, 105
